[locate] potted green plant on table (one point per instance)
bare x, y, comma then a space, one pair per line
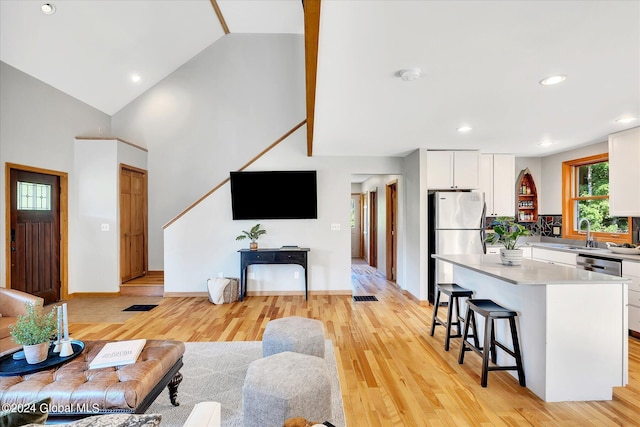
253, 234
507, 232
33, 331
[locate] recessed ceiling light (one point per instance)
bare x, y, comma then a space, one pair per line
545, 143
410, 74
553, 80
48, 8
135, 78
626, 119
464, 129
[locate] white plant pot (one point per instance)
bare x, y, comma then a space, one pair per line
511, 256
36, 353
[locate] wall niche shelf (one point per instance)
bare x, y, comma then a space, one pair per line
526, 198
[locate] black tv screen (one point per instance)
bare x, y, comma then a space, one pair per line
274, 195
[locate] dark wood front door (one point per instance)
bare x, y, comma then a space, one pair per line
35, 234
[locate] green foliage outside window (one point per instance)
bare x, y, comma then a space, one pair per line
593, 181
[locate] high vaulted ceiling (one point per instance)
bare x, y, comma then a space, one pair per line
481, 64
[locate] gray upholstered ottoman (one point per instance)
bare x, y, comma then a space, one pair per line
297, 334
286, 385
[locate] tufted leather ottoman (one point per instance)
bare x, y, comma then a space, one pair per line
76, 391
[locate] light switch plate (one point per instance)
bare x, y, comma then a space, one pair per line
335, 227
105, 227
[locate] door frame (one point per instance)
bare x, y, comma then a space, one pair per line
64, 222
145, 219
373, 228
392, 224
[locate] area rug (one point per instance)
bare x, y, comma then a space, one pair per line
141, 307
215, 371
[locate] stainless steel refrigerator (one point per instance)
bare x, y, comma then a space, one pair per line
456, 226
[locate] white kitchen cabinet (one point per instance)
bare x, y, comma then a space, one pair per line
497, 181
453, 170
631, 270
553, 257
624, 173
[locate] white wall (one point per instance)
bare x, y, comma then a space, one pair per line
96, 253
416, 261
212, 116
202, 243
38, 125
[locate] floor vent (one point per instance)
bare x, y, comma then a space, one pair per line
364, 298
141, 307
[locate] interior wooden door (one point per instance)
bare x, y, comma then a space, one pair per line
133, 223
35, 233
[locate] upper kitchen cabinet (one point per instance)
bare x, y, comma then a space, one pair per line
624, 173
497, 175
453, 170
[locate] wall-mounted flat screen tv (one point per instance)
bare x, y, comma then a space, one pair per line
274, 195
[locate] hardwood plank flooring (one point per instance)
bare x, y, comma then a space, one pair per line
392, 373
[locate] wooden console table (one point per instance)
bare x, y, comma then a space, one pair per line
272, 256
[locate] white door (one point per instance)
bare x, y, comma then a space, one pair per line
356, 226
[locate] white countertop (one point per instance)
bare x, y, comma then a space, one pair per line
530, 272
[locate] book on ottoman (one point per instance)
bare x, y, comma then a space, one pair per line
118, 353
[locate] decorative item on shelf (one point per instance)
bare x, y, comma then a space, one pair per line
253, 234
33, 331
507, 232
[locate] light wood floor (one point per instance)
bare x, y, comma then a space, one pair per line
392, 373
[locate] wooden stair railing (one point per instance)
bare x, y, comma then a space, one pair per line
262, 153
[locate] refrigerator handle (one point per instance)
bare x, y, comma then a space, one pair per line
483, 228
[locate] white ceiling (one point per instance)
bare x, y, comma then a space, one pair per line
481, 63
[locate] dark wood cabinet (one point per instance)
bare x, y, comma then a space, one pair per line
272, 256
526, 198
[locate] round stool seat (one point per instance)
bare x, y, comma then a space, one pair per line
297, 334
286, 385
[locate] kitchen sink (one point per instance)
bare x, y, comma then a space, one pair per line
580, 248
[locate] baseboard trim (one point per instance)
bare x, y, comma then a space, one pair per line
421, 303
185, 294
94, 295
256, 293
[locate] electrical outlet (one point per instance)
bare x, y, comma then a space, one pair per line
335, 227
105, 227
100, 131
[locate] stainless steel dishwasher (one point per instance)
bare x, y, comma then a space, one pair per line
599, 265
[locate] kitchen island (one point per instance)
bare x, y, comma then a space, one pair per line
572, 323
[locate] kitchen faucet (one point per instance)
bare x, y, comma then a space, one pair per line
590, 243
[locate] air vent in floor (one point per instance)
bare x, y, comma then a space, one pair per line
364, 298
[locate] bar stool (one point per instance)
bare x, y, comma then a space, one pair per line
491, 311
454, 292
